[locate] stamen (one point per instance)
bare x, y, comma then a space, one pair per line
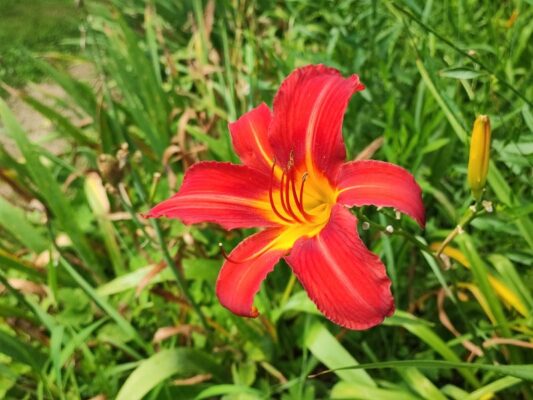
290, 163
271, 197
299, 204
282, 193
290, 178
304, 178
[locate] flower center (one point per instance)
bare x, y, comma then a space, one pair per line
302, 202
300, 197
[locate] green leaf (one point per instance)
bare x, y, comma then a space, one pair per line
163, 365
131, 280
480, 272
461, 73
434, 145
333, 355
422, 385
21, 352
493, 387
524, 371
48, 187
14, 220
64, 124
424, 332
352, 390
9, 261
222, 390
123, 324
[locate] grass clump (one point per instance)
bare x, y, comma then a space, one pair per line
97, 301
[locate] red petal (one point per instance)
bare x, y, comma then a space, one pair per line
233, 196
381, 184
308, 112
249, 135
239, 280
347, 282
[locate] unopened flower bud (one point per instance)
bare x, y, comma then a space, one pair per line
478, 163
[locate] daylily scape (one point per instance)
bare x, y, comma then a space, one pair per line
295, 184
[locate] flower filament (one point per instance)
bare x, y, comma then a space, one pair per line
291, 199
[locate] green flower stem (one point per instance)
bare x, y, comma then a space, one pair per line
288, 289
468, 216
180, 279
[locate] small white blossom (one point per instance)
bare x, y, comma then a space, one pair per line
487, 205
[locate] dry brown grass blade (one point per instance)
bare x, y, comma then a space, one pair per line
369, 150
169, 331
25, 286
193, 380
443, 317
209, 18
156, 269
512, 342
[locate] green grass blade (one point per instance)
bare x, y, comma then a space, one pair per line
123, 324
223, 390
9, 261
352, 390
154, 370
48, 187
521, 371
424, 332
510, 275
325, 347
13, 220
21, 351
493, 387
99, 203
62, 123
480, 273
420, 384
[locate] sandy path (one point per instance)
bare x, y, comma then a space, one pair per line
39, 129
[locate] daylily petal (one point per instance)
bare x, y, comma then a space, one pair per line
233, 196
308, 112
244, 270
347, 282
378, 183
249, 135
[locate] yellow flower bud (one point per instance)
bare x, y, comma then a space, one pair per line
478, 163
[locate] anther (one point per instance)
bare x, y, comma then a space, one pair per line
290, 164
304, 178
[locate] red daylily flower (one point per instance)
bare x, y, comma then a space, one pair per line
296, 185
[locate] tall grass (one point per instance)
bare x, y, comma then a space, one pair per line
95, 300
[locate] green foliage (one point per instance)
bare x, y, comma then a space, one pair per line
96, 300
27, 26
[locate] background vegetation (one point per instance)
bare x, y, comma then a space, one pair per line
35, 25
97, 301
